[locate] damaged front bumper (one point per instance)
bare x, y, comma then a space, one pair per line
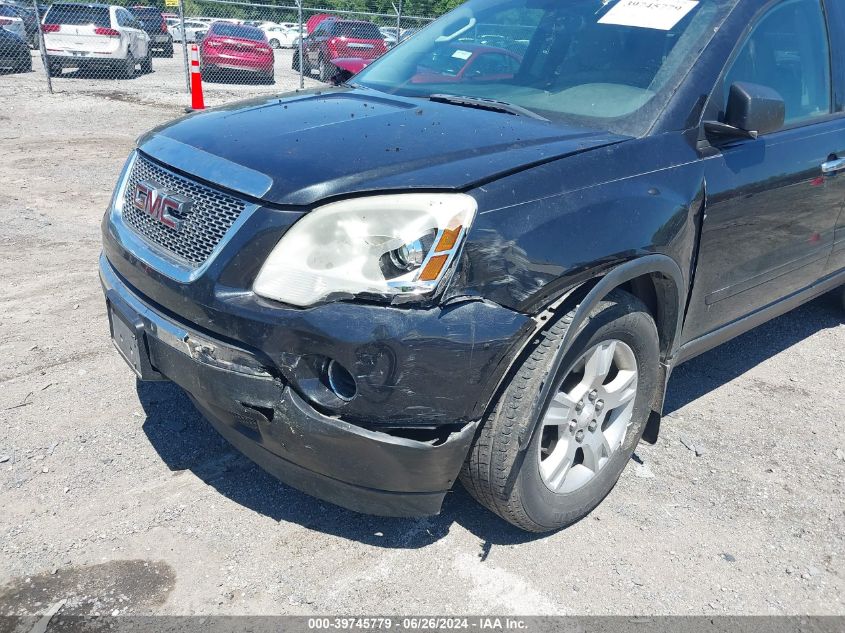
361, 469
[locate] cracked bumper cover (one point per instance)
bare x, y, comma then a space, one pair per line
360, 469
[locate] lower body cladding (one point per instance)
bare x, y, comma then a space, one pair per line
400, 472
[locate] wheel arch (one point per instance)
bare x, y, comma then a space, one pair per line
656, 280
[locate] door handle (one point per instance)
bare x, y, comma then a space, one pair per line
833, 166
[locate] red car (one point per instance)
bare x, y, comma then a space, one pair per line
333, 38
467, 62
238, 48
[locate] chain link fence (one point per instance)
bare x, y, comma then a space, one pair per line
244, 49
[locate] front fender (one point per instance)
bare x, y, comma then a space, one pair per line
550, 228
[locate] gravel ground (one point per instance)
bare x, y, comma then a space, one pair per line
119, 497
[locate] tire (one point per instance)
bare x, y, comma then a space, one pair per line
147, 63
55, 69
274, 43
128, 67
295, 61
167, 51
326, 69
509, 482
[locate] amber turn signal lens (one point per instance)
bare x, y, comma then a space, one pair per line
433, 267
448, 240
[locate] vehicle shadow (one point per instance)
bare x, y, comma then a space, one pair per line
236, 77
712, 369
186, 442
93, 72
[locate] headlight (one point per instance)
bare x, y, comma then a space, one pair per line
380, 245
119, 196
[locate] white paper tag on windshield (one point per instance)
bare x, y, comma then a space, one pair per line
648, 14
462, 54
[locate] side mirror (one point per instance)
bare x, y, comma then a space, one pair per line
752, 110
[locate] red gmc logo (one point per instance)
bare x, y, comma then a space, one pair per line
167, 208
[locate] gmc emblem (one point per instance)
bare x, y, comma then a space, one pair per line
167, 208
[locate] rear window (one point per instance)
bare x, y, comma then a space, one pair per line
78, 14
237, 30
148, 16
357, 30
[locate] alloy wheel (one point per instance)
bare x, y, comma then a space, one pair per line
588, 418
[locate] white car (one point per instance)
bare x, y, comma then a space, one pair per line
194, 31
281, 36
95, 35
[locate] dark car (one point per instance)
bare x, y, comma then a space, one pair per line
153, 22
27, 14
377, 289
14, 52
334, 38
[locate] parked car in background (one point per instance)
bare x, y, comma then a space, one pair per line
12, 22
346, 68
333, 38
281, 36
466, 62
389, 36
236, 48
194, 31
155, 25
25, 13
14, 52
260, 24
95, 36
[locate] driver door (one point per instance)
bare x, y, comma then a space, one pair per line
771, 207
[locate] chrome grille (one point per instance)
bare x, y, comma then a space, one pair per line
211, 215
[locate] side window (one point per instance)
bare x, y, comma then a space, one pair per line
788, 51
124, 18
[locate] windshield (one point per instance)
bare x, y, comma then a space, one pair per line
356, 30
234, 30
611, 64
77, 14
150, 17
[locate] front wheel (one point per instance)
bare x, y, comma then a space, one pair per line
147, 62
326, 69
275, 43
586, 430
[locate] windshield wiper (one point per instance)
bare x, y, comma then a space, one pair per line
481, 103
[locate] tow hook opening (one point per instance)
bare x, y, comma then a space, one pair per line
340, 381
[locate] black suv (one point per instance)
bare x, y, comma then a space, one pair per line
153, 22
493, 279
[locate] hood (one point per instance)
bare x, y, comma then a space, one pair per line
299, 149
352, 64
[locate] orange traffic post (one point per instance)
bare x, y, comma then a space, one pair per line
197, 102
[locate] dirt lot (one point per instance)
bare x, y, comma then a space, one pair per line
122, 499
165, 86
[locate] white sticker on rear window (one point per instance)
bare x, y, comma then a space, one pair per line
462, 54
648, 14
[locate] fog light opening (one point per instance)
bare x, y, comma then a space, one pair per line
341, 381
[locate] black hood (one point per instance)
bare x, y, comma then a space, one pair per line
298, 149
